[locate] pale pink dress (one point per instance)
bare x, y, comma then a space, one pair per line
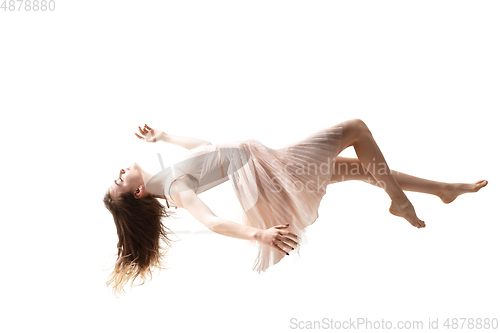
273, 186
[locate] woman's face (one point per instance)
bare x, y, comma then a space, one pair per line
128, 180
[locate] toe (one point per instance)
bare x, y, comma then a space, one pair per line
482, 183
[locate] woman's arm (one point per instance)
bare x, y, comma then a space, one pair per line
183, 141
277, 237
186, 198
152, 135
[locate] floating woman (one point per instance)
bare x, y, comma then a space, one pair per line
279, 191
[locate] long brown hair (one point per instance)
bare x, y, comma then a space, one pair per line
140, 232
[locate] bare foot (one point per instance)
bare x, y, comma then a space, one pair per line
408, 212
452, 191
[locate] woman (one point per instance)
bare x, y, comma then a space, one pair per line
280, 191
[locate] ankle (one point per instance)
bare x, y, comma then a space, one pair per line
443, 188
401, 201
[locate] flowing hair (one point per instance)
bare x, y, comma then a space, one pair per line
140, 233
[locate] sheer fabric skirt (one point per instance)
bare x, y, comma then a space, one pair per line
290, 182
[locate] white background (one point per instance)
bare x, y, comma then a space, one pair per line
75, 83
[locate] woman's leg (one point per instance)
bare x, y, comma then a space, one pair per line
351, 169
355, 133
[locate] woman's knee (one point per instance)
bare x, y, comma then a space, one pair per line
356, 126
352, 131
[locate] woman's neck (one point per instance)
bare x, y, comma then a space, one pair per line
146, 176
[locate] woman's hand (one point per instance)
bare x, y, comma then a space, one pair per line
149, 134
279, 238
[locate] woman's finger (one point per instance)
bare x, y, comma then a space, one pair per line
149, 128
288, 240
140, 137
140, 130
286, 236
284, 245
279, 249
291, 235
